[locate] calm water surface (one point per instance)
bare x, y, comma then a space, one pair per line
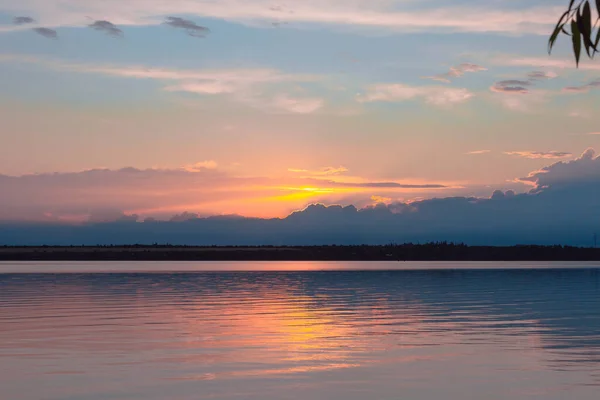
411, 333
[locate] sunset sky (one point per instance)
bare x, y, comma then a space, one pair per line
258, 108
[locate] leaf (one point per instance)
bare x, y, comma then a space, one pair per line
571, 4
587, 23
583, 30
587, 19
553, 38
576, 41
559, 27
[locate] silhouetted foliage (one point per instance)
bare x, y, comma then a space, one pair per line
579, 23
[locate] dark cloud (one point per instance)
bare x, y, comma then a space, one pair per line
107, 27
185, 216
190, 27
23, 20
538, 75
561, 208
511, 86
510, 89
104, 216
513, 82
46, 32
585, 168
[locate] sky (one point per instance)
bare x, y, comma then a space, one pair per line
260, 108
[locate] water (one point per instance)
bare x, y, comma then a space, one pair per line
422, 333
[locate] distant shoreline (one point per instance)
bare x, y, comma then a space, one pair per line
406, 252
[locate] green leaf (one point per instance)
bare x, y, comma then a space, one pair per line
576, 41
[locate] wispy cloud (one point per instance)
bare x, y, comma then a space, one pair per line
46, 32
200, 166
529, 102
456, 72
325, 171
297, 105
243, 85
389, 15
539, 154
578, 114
544, 62
107, 27
190, 27
435, 95
475, 152
583, 88
240, 76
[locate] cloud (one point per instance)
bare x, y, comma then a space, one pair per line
23, 20
584, 169
594, 133
561, 208
46, 32
206, 87
539, 154
456, 72
200, 188
518, 94
199, 166
385, 15
540, 75
185, 216
107, 27
381, 200
325, 171
297, 105
190, 27
388, 185
511, 86
578, 114
245, 85
544, 62
237, 77
435, 95
479, 152
244, 93
584, 88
